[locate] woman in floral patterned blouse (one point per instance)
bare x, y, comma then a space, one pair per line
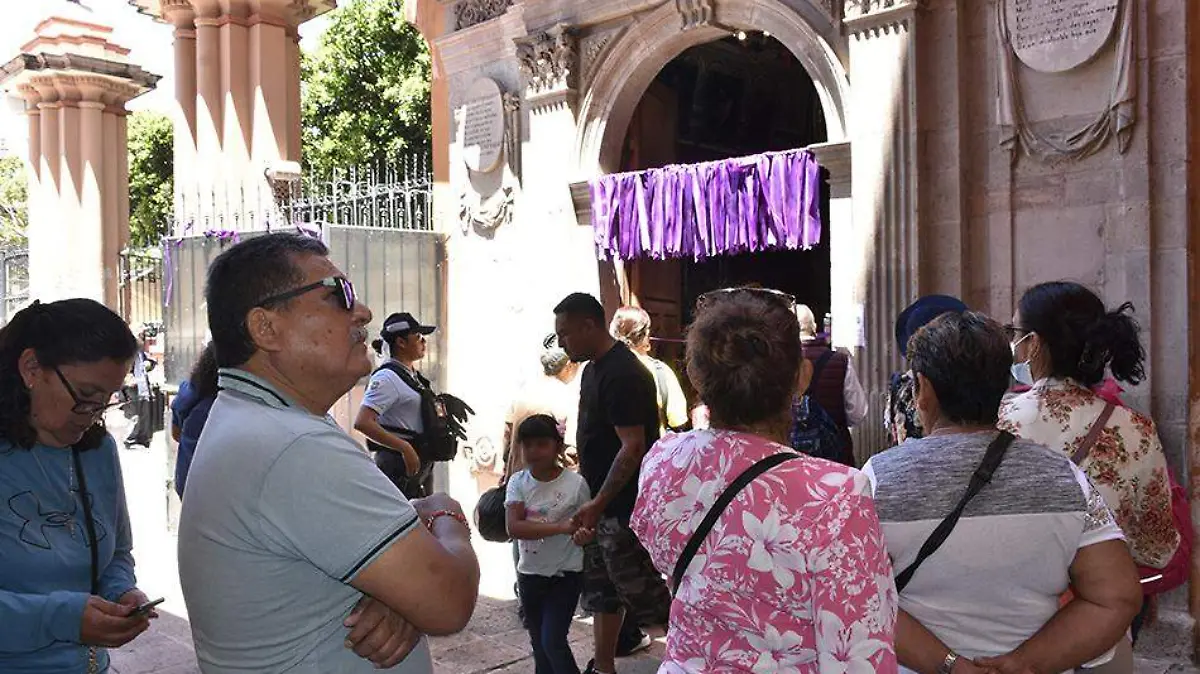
1062, 331
794, 578
1063, 340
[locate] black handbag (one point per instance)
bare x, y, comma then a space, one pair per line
491, 517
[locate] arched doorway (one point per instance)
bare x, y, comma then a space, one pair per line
804, 35
737, 96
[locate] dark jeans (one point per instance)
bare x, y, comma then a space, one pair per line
549, 608
392, 465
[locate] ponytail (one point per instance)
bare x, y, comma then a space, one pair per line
1114, 341
1082, 337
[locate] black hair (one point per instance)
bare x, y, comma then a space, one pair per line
241, 278
204, 373
743, 356
1083, 338
966, 358
60, 333
582, 305
539, 426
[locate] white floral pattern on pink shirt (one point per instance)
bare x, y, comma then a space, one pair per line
794, 578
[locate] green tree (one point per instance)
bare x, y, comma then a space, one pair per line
151, 177
14, 201
365, 93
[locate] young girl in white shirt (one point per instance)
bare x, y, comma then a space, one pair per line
540, 501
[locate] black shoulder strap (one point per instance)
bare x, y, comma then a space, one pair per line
714, 513
405, 376
982, 476
818, 368
87, 519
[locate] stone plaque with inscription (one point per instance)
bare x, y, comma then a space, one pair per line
1054, 36
483, 126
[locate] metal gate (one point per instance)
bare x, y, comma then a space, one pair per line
393, 270
14, 282
140, 296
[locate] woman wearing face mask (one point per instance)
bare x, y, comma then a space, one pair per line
67, 587
1063, 340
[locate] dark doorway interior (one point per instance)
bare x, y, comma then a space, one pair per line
728, 98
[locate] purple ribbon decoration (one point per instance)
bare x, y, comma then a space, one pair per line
744, 205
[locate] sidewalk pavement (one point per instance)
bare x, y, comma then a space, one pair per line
493, 642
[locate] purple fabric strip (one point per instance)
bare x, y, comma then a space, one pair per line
744, 205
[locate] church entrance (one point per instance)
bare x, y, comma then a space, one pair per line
741, 95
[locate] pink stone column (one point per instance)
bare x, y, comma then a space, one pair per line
184, 118
209, 115
96, 243
235, 85
113, 152
293, 101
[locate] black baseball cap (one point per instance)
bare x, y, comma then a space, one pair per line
403, 324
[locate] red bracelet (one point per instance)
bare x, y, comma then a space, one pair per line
459, 517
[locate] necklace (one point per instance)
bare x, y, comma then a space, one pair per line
69, 515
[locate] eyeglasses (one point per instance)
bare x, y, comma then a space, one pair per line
341, 284
785, 300
1013, 331
89, 407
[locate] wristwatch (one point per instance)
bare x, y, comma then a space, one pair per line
948, 664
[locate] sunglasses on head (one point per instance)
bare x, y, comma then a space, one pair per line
340, 284
783, 299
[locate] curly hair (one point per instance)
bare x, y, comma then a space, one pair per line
60, 333
743, 356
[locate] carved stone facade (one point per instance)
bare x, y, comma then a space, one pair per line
695, 12
549, 62
467, 13
924, 200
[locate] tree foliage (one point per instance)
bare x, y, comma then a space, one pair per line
14, 201
365, 92
151, 177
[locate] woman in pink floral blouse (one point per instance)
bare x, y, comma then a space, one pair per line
795, 575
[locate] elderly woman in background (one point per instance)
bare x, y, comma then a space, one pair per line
1063, 341
794, 576
67, 587
991, 591
631, 325
900, 418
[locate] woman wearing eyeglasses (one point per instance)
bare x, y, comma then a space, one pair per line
67, 587
794, 574
1063, 341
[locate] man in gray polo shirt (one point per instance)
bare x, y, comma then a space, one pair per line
296, 554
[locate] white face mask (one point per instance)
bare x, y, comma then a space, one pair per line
1021, 372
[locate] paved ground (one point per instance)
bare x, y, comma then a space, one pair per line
493, 642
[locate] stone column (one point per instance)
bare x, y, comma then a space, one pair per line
884, 169
182, 16
79, 219
210, 104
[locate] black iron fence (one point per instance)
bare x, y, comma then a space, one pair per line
140, 296
394, 196
14, 282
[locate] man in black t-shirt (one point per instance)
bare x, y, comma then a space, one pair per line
617, 423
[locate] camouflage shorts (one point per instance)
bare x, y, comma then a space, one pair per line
618, 573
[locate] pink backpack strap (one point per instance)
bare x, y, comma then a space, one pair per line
1093, 434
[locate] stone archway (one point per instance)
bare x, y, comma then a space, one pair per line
651, 42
